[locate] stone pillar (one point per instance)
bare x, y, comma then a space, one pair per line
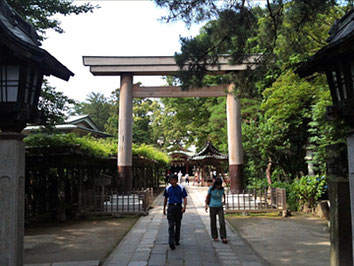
340, 215
12, 172
234, 140
350, 145
125, 132
340, 223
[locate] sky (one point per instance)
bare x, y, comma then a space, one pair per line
118, 28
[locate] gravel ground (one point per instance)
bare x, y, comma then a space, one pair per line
298, 240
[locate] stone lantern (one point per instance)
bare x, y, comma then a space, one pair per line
336, 60
22, 67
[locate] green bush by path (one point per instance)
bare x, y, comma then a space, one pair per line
307, 189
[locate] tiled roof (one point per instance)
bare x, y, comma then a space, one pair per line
209, 152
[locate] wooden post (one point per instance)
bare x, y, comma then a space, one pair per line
125, 132
234, 140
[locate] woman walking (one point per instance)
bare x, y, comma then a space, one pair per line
214, 200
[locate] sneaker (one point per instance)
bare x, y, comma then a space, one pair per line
172, 246
177, 243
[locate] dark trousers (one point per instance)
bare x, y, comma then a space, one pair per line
174, 217
217, 211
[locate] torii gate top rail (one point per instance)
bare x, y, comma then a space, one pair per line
150, 65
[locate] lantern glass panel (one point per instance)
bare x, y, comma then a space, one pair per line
34, 87
27, 84
9, 82
336, 85
341, 82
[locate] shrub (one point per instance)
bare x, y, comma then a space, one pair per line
309, 189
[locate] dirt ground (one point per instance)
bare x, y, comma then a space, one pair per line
89, 239
297, 240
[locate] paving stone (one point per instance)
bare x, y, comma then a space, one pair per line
39, 264
159, 249
175, 262
225, 253
143, 249
231, 262
137, 263
147, 243
78, 263
248, 258
193, 263
140, 256
252, 264
157, 259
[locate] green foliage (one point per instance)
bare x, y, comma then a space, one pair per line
309, 188
91, 145
42, 13
96, 106
144, 111
94, 147
53, 106
151, 152
111, 125
257, 183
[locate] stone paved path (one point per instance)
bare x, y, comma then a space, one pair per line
146, 244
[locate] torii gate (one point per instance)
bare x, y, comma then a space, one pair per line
128, 67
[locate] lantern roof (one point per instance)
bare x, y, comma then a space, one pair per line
20, 37
340, 45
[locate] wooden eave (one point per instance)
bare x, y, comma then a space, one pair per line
340, 47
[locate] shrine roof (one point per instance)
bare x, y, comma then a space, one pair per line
209, 152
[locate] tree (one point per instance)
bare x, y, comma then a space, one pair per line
53, 106
111, 125
283, 34
143, 115
41, 14
239, 28
96, 106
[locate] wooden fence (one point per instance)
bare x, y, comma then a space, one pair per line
256, 200
60, 179
113, 202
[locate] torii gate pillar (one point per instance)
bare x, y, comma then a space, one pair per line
233, 107
125, 132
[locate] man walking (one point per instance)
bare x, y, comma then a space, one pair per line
174, 193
